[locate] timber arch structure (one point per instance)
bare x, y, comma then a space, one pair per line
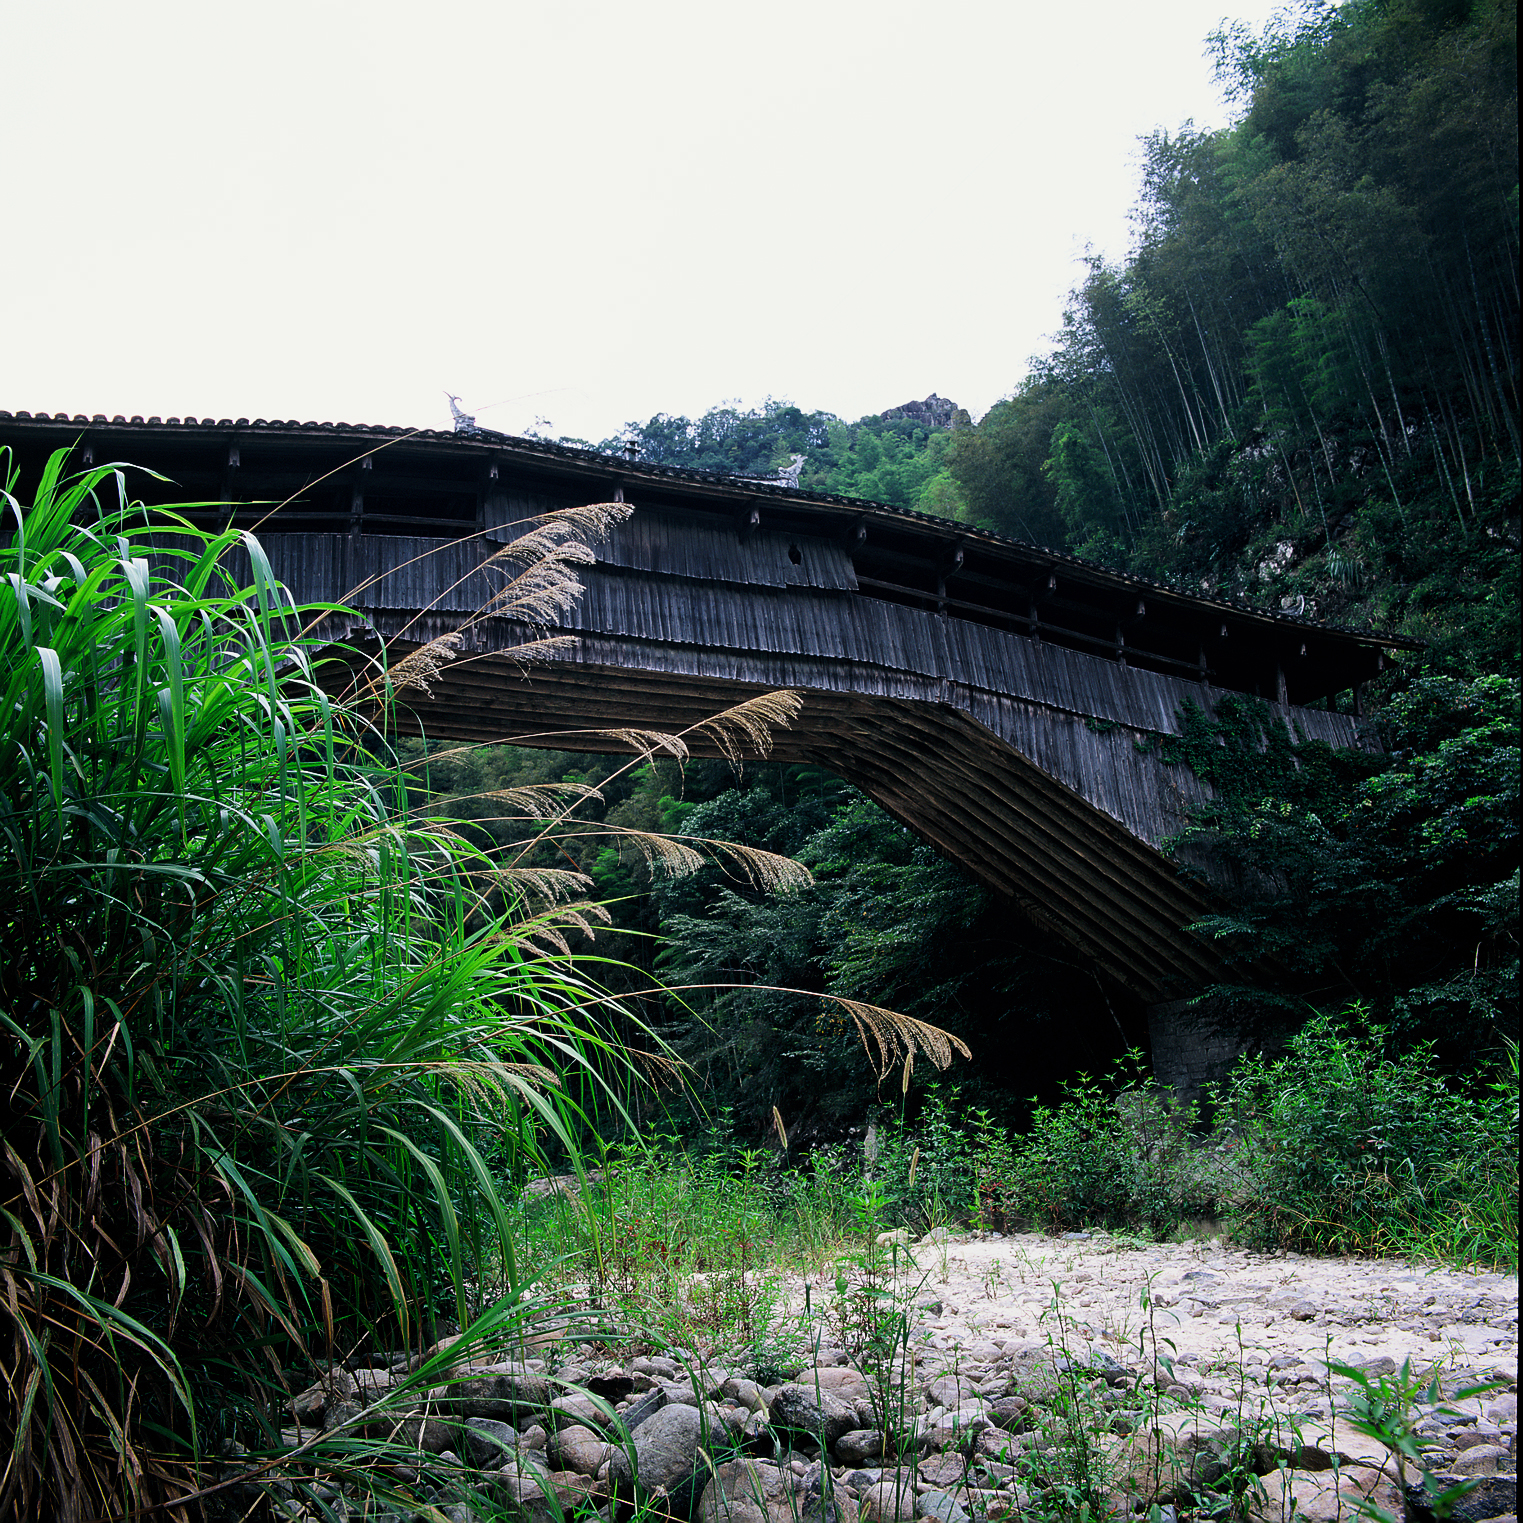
1002, 700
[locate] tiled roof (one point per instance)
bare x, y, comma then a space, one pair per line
635, 470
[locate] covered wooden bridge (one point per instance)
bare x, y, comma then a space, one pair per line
999, 699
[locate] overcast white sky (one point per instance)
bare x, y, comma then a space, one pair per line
582, 212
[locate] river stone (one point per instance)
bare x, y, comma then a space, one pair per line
577, 1409
612, 1387
941, 1470
647, 1406
433, 1351
829, 1377
1102, 1364
736, 1495
370, 1384
1036, 1379
970, 1410
310, 1406
342, 1414
522, 1464
526, 1496
1494, 1497
655, 1364
746, 1392
859, 1480
487, 1441
413, 1430
941, 1506
505, 1396
1480, 1459
891, 1501
1323, 1498
1008, 1412
578, 1449
948, 1390
822, 1416
994, 1444
1143, 1468
572, 1489
821, 1499
858, 1446
666, 1458
756, 1435
779, 1495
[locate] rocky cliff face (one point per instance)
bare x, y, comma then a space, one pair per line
934, 412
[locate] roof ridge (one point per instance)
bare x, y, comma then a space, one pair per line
623, 466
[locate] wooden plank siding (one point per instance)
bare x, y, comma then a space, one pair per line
1018, 758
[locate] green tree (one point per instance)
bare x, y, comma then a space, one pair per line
1399, 890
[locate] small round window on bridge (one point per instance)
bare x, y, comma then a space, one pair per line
795, 554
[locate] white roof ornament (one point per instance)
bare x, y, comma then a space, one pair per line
787, 475
464, 422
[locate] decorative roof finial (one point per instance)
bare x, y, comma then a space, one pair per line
464, 422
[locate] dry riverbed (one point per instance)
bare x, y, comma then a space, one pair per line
1219, 1307
1040, 1371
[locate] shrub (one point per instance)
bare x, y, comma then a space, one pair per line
270, 1037
1119, 1153
927, 1173
1348, 1144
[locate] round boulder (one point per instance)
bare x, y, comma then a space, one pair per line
666, 1458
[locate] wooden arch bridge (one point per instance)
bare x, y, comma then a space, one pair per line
999, 699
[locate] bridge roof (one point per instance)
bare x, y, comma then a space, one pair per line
899, 555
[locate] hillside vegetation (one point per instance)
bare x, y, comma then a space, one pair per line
1302, 387
895, 457
290, 1013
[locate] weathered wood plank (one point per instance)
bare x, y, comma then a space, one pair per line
1016, 756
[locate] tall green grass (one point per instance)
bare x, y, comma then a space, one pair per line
257, 1022
689, 1249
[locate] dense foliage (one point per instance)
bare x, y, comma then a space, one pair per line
278, 1041
1301, 387
1387, 877
1350, 1144
275, 1035
1390, 879
886, 920
1347, 1142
